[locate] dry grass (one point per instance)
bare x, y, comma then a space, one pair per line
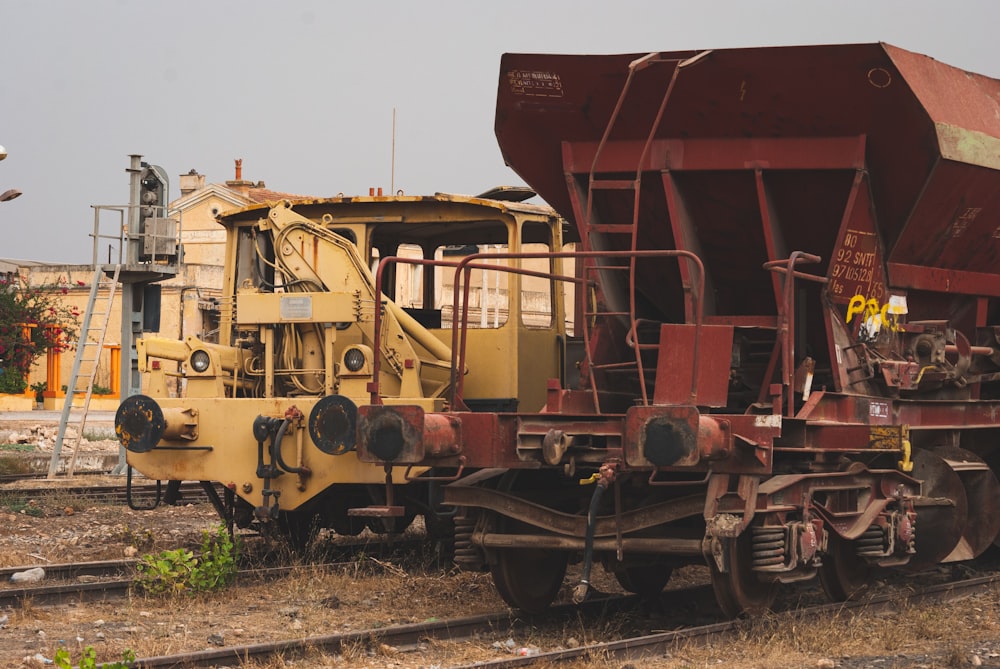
368, 597
372, 592
792, 640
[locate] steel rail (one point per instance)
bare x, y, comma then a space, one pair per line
456, 629
190, 492
73, 569
397, 635
660, 643
99, 590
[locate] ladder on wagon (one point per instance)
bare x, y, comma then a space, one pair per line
599, 235
85, 363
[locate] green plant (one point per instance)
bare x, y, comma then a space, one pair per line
39, 389
32, 321
28, 507
11, 381
98, 389
20, 448
180, 570
88, 660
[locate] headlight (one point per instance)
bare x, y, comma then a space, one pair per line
354, 359
200, 361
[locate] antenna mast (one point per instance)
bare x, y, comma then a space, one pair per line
392, 178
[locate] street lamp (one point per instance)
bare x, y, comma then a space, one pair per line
12, 193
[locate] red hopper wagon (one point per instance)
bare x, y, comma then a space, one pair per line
788, 304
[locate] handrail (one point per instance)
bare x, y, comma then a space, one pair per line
122, 235
377, 321
786, 324
390, 260
463, 271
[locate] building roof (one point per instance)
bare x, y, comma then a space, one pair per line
267, 195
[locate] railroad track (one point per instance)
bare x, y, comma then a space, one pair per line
456, 629
191, 492
108, 579
34, 476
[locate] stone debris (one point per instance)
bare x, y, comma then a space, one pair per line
96, 439
28, 576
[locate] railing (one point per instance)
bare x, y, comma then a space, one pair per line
460, 308
142, 248
786, 318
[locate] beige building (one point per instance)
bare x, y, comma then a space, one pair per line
188, 301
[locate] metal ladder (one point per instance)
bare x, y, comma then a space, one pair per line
597, 186
88, 355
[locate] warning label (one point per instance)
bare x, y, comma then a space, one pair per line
536, 84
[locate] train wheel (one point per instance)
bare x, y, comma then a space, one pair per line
643, 579
529, 578
526, 578
348, 526
982, 490
739, 591
298, 528
843, 574
993, 461
939, 527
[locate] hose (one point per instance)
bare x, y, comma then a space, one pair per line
276, 450
581, 591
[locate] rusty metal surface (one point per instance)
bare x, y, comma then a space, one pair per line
659, 546
927, 133
569, 524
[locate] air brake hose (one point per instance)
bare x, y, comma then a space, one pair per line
276, 450
581, 591
261, 428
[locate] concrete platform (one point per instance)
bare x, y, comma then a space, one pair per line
37, 462
52, 417
18, 463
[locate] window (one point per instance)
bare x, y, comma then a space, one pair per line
489, 296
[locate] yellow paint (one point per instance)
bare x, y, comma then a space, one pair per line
327, 305
870, 309
906, 465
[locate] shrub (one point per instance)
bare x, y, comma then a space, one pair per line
88, 660
32, 322
180, 570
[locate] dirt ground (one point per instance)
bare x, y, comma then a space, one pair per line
370, 592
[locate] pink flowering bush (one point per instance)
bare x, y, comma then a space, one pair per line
32, 322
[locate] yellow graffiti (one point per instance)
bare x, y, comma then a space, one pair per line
875, 315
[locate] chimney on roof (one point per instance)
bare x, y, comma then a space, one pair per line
238, 184
191, 182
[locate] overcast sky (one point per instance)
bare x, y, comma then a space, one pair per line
304, 91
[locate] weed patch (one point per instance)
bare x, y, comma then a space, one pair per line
88, 660
18, 448
180, 570
28, 507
